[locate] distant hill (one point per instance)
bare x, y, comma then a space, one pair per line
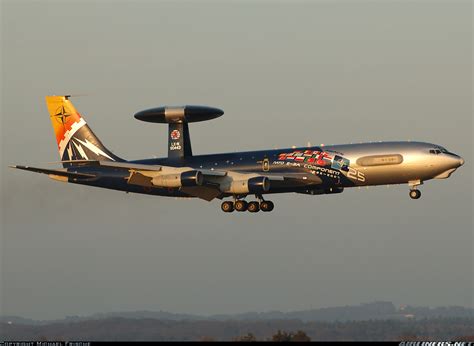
18, 320
122, 329
368, 311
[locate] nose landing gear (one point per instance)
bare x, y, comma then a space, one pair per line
414, 192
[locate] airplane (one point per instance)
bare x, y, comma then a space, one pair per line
313, 170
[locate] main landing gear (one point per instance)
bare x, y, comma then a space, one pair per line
251, 207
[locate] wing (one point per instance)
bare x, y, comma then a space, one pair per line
206, 184
218, 183
214, 183
208, 189
112, 164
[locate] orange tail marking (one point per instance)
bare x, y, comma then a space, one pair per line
63, 115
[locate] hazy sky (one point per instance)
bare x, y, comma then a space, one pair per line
285, 73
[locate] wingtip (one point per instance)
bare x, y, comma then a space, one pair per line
19, 166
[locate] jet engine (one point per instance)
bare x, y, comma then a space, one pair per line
252, 185
188, 178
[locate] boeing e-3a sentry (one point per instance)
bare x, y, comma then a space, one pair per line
312, 170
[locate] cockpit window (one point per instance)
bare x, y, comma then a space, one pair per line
439, 150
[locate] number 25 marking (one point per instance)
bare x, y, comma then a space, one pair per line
356, 175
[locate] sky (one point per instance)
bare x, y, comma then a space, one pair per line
285, 73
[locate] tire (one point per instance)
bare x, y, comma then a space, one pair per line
227, 207
415, 194
266, 206
253, 207
270, 205
240, 205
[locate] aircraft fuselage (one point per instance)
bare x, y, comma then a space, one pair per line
338, 166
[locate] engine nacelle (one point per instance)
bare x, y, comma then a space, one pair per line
192, 178
252, 185
189, 178
259, 184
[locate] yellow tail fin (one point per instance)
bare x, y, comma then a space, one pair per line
63, 115
75, 139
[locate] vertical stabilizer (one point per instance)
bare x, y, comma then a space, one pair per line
75, 139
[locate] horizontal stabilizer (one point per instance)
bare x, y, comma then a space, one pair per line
56, 172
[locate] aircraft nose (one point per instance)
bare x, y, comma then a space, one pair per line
458, 160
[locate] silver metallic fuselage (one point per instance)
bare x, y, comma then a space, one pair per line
418, 163
376, 163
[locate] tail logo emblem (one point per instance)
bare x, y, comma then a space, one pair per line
61, 115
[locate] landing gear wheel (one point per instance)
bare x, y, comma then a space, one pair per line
253, 207
415, 194
266, 206
241, 205
227, 207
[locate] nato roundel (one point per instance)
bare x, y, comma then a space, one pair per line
179, 114
175, 135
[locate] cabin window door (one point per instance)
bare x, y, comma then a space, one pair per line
265, 165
